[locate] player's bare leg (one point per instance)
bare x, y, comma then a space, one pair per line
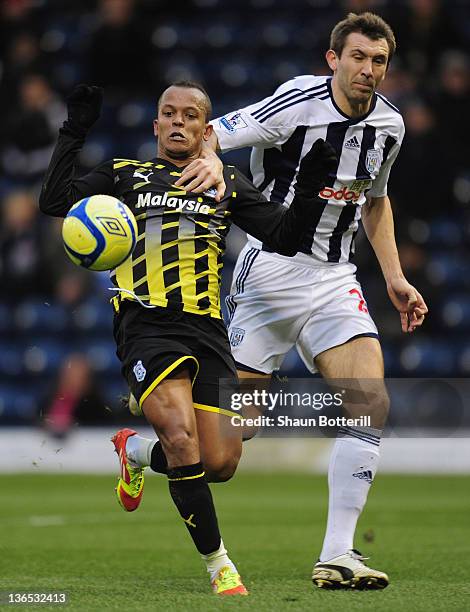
359, 360
220, 443
260, 382
357, 364
220, 447
170, 411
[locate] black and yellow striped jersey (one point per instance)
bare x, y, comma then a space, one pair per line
180, 242
177, 262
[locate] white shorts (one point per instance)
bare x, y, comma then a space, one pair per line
275, 304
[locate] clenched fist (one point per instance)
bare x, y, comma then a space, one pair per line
84, 105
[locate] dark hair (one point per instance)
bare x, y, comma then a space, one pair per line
368, 24
192, 85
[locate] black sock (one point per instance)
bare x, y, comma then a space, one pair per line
158, 461
193, 498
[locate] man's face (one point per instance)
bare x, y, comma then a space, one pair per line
181, 123
361, 67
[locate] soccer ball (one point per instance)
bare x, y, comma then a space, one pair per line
99, 233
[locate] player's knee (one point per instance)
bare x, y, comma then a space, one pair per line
374, 405
221, 469
178, 442
381, 406
386, 405
378, 408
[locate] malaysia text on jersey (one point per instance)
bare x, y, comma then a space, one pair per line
181, 236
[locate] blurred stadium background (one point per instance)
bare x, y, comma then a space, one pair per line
59, 378
57, 362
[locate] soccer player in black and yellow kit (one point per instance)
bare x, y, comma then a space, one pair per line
170, 337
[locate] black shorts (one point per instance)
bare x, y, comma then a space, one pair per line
156, 343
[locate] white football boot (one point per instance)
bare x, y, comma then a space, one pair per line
348, 572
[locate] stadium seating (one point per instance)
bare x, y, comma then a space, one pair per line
243, 59
35, 340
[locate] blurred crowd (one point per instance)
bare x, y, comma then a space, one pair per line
56, 351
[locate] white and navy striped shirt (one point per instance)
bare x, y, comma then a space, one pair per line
282, 129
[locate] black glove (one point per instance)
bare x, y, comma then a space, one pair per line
84, 106
315, 168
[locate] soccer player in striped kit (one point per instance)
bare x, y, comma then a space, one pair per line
313, 301
169, 333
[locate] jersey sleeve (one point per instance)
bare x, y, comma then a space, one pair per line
267, 123
379, 187
60, 189
380, 184
281, 228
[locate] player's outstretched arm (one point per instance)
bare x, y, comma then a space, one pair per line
314, 170
240, 128
59, 190
378, 223
205, 172
281, 228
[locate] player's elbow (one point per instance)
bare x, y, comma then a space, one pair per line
45, 205
50, 208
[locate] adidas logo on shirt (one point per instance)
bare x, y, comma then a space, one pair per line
352, 143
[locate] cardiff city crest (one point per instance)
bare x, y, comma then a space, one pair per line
139, 371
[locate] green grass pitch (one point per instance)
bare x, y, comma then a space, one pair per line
67, 533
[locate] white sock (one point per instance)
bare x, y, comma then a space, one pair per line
139, 450
216, 560
352, 468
